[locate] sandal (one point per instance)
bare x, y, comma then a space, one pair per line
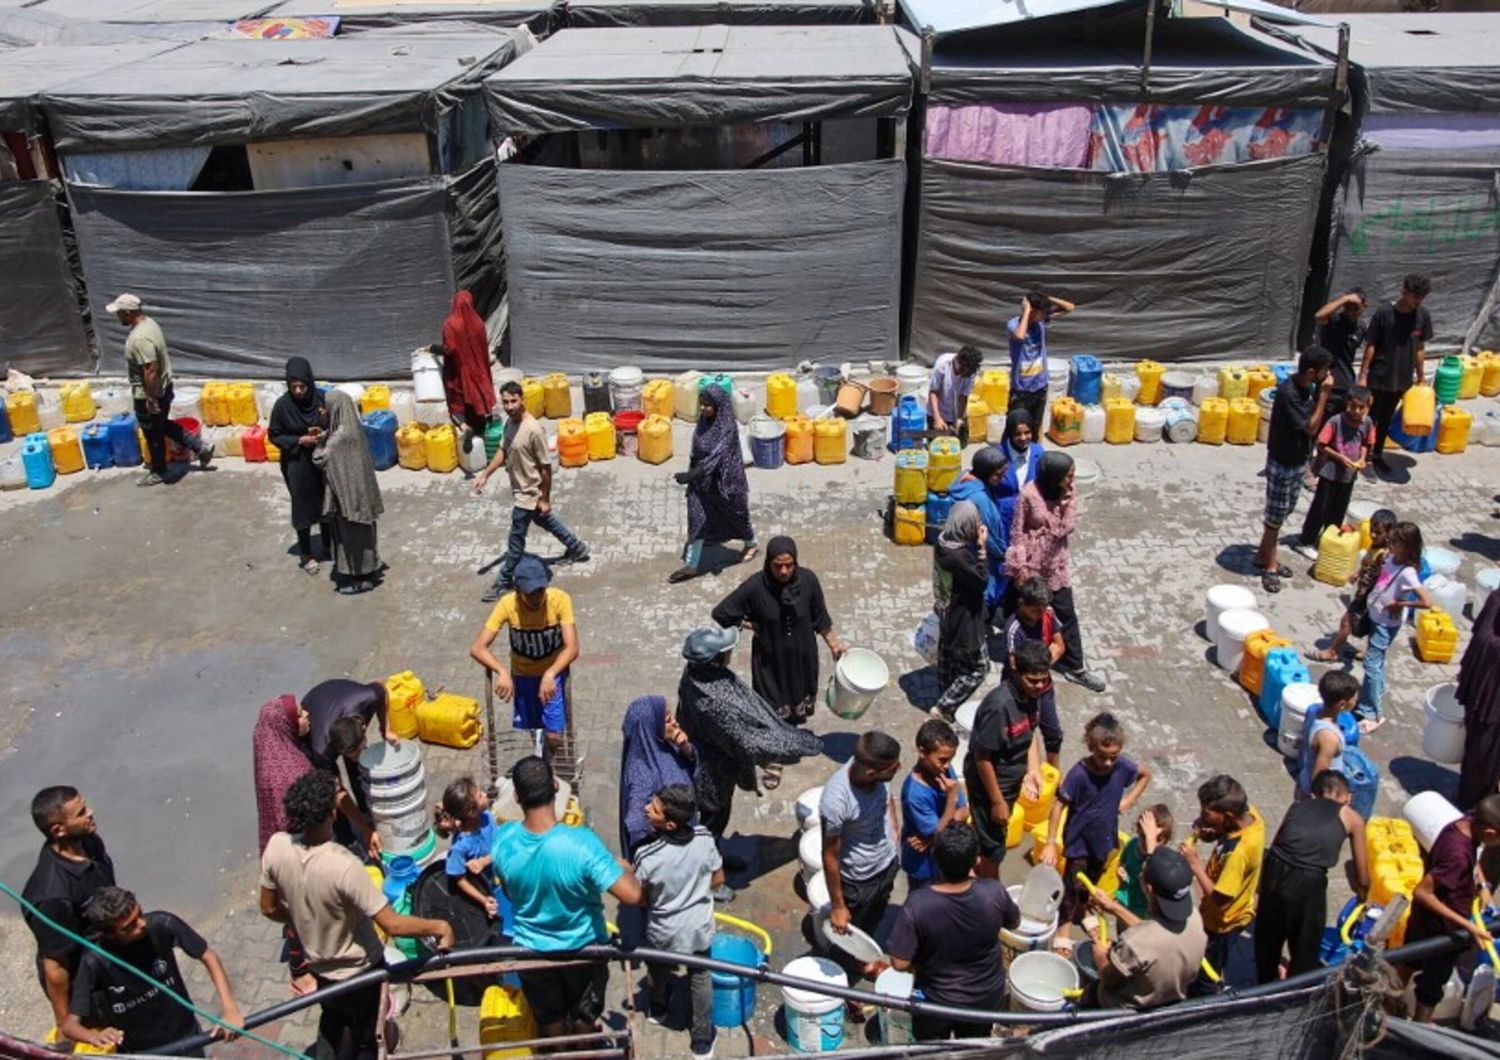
1270, 583
1063, 948
1320, 655
750, 553
308, 566
1281, 571
771, 777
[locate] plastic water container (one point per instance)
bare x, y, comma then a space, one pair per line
1364, 781
722, 380
1442, 560
1443, 733
1283, 667
596, 396
6, 434
1264, 402
814, 1021
994, 388
1428, 814
1026, 936
1338, 555
376, 398
781, 396
655, 439
442, 449
768, 442
1149, 423
1119, 420
96, 449
356, 392
398, 793
1486, 428
253, 445
1221, 598
77, 401
944, 464
532, 396
1473, 377
36, 456
1244, 422
656, 398
910, 524
912, 379
411, 447
1252, 669
1178, 384
557, 396
242, 408
67, 453
807, 392
404, 405
908, 424
380, 435
807, 807
911, 476
870, 434
976, 413
111, 399
1094, 421
20, 407
1447, 593
1204, 387
600, 430
1181, 425
1057, 377
810, 850
426, 376
625, 385
627, 431
1297, 701
828, 378
1437, 636
1085, 378
799, 440
858, 677
1041, 981
685, 395
403, 692
1447, 380
830, 441
1213, 421
1065, 426
124, 443
505, 1017
1453, 432
1489, 382
1259, 380
573, 442
1419, 411
1234, 627
49, 412
893, 1025
1149, 373
450, 720
12, 473
734, 995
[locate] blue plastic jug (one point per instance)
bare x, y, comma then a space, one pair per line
36, 457
380, 433
5, 431
1283, 667
908, 424
1085, 379
96, 447
124, 443
1364, 781
938, 507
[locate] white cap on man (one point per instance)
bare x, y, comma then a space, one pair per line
125, 303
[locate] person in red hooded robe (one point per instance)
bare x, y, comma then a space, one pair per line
466, 368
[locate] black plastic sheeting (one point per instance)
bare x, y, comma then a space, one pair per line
1434, 212
41, 331
751, 270
353, 277
1192, 265
608, 14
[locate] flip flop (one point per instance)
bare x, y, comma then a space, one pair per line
771, 777
1270, 583
750, 553
308, 566
1281, 571
1320, 655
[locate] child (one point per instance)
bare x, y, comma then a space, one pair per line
1035, 620
1397, 588
1230, 881
110, 1007
1322, 739
1095, 792
465, 811
679, 868
1344, 446
1444, 899
1153, 828
1005, 753
932, 798
1355, 620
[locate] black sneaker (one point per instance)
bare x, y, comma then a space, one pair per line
657, 1014
579, 553
205, 453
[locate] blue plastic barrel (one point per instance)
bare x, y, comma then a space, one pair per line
124, 443
380, 433
1364, 781
1416, 443
734, 995
5, 431
36, 457
908, 424
96, 448
1085, 379
1283, 667
938, 507
769, 453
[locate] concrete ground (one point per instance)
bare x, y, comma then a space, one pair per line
141, 630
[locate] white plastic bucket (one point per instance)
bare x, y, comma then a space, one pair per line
1234, 627
1448, 593
1428, 814
1178, 384
1040, 982
625, 385
1442, 560
187, 401
1149, 422
870, 434
818, 898
994, 428
1223, 598
426, 376
964, 718
356, 391
398, 793
1058, 369
807, 807
1130, 386
893, 1025
814, 1021
766, 428
1027, 935
432, 413
858, 678
1267, 401
1297, 700
1443, 734
1181, 426
910, 379
1086, 476
810, 851
404, 405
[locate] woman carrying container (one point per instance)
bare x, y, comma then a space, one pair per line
297, 424
1046, 514
783, 606
352, 497
718, 494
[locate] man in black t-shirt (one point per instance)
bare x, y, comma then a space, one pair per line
71, 867
111, 1006
1395, 344
1296, 417
1341, 333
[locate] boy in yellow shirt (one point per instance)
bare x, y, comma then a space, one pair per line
1232, 878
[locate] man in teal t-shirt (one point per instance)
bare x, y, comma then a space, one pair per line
555, 876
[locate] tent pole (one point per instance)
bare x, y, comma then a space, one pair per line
926, 86
1341, 71
1146, 56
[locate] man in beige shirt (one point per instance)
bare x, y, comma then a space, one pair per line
1155, 960
523, 453
322, 891
150, 369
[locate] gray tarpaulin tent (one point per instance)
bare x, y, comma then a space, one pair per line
605, 14
748, 268
143, 11
41, 323
1421, 192
1187, 260
301, 258
539, 16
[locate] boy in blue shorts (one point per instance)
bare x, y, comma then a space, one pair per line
543, 644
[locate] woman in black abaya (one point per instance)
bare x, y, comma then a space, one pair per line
298, 422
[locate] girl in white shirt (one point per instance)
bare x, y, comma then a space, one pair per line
1398, 587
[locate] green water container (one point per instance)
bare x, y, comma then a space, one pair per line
493, 433
718, 379
1449, 377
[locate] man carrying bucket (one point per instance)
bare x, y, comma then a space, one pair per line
858, 818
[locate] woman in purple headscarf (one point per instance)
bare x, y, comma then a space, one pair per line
656, 753
718, 494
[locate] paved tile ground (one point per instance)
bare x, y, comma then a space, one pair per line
142, 629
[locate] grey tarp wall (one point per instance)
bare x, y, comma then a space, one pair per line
606, 14
1196, 264
540, 16
354, 276
748, 270
1436, 212
40, 328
